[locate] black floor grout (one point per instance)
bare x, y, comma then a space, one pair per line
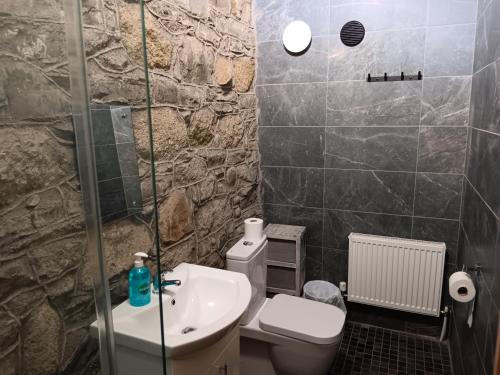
369, 350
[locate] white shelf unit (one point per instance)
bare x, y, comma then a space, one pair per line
285, 258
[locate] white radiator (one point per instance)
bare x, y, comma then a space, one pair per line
396, 273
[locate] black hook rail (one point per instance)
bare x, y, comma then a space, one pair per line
400, 77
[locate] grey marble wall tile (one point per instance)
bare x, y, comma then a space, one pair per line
382, 192
314, 263
449, 50
449, 268
275, 65
482, 306
482, 231
379, 15
382, 148
271, 17
339, 224
292, 104
472, 363
390, 52
485, 99
445, 101
315, 253
491, 337
335, 265
438, 195
311, 218
440, 230
451, 12
484, 167
293, 186
314, 270
487, 36
362, 103
442, 149
316, 13
292, 146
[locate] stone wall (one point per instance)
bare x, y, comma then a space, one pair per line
201, 63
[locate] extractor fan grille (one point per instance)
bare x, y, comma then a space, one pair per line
352, 33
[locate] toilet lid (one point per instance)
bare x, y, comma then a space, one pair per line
302, 319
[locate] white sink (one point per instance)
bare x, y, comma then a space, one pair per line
209, 300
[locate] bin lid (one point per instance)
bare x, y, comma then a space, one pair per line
319, 289
302, 319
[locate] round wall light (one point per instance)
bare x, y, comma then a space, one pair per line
297, 36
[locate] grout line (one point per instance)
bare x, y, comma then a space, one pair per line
290, 83
325, 209
328, 81
462, 202
323, 213
420, 117
360, 170
371, 126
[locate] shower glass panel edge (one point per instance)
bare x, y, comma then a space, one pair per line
88, 181
157, 245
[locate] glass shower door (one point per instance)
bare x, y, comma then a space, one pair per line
110, 114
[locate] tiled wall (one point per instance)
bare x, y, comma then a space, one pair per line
480, 240
340, 154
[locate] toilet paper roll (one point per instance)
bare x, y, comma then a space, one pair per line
461, 287
254, 229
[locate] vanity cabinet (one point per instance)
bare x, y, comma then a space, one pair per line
228, 362
219, 358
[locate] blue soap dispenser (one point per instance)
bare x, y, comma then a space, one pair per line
139, 282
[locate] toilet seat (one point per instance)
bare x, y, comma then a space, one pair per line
302, 319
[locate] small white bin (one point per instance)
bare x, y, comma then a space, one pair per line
323, 291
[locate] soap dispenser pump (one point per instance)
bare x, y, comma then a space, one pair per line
139, 282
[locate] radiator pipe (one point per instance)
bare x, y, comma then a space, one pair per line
445, 323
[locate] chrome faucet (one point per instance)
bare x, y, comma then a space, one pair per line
164, 282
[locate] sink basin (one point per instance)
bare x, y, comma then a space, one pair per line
202, 309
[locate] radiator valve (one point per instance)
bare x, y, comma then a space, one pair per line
343, 286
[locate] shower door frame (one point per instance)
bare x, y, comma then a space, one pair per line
82, 124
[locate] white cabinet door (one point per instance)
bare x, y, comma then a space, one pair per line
229, 361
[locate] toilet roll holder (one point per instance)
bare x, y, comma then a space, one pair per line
476, 268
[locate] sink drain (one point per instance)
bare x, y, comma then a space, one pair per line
187, 330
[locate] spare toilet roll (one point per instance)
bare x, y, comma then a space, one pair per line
254, 229
461, 287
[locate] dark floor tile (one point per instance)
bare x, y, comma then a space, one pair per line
372, 350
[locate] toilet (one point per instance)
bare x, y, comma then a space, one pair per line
283, 335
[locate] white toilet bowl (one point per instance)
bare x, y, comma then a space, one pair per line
285, 335
264, 352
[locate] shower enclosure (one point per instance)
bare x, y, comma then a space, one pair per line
106, 150
77, 182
